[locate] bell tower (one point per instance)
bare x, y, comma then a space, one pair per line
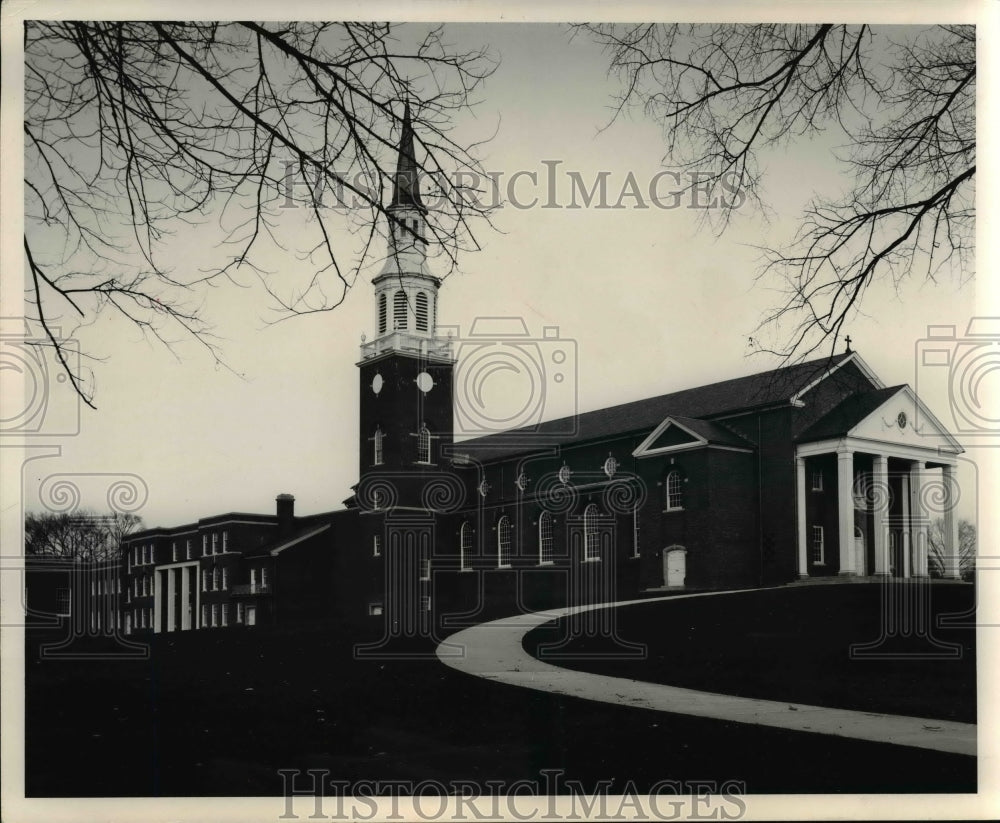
405, 368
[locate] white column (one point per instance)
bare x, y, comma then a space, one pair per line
918, 520
185, 594
880, 507
904, 493
171, 593
952, 566
845, 509
157, 599
800, 508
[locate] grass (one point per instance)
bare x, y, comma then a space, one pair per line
792, 645
218, 713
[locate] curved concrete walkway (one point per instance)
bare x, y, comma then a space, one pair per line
494, 651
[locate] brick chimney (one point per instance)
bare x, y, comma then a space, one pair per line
286, 514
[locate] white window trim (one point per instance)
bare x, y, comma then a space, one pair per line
541, 539
680, 493
817, 531
510, 547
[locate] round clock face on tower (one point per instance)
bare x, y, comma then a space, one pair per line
377, 383
425, 382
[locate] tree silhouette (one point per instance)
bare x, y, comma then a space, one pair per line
904, 100
134, 130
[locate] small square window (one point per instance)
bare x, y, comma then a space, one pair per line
817, 481
374, 609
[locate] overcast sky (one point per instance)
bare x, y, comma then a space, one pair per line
652, 301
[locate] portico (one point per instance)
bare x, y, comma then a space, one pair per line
869, 480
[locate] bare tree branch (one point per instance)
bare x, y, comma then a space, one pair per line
139, 133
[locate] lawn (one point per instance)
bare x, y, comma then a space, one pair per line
793, 644
218, 713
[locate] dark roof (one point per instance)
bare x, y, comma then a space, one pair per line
847, 414
755, 391
406, 184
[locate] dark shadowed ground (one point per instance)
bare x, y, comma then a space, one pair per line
219, 712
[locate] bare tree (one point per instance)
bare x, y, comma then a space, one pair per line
904, 99
82, 535
937, 556
135, 130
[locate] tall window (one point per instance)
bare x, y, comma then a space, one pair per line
173, 552
225, 614
239, 612
378, 447
263, 579
503, 543
819, 551
399, 310
225, 541
424, 445
382, 306
635, 530
546, 547
421, 311
425, 568
204, 617
253, 581
376, 545
464, 545
591, 538
215, 543
225, 578
187, 548
215, 579
204, 545
674, 495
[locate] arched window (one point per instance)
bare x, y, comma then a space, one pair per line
378, 447
421, 311
546, 547
674, 496
591, 539
464, 545
382, 309
424, 445
399, 310
503, 543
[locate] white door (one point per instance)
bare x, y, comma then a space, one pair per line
251, 615
674, 566
859, 551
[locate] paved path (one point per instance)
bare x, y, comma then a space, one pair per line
494, 651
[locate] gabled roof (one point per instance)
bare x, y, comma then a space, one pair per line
847, 414
756, 391
694, 433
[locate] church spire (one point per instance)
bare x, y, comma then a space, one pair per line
406, 191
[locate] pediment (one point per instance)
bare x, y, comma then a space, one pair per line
904, 420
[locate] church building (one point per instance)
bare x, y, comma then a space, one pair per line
813, 470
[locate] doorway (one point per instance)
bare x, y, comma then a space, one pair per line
674, 566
